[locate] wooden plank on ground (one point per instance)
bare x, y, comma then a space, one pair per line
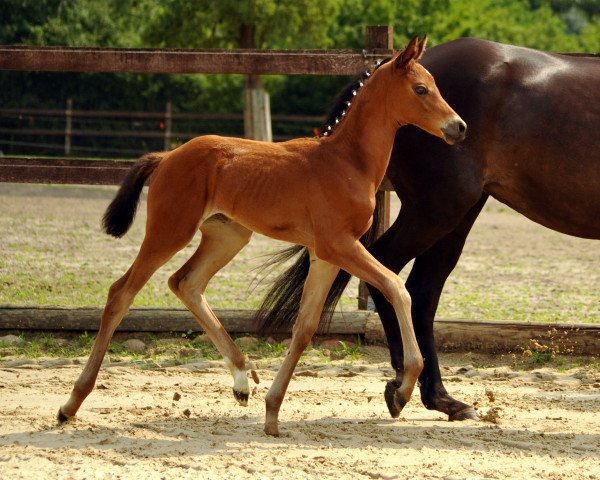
150, 320
503, 336
460, 335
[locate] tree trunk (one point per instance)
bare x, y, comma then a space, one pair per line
247, 41
257, 111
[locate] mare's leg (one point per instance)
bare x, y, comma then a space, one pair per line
154, 252
425, 284
316, 287
222, 239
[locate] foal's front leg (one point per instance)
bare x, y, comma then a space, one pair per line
354, 258
320, 278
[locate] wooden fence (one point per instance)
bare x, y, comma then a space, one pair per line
67, 170
164, 129
379, 43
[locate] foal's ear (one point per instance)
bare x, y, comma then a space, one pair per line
413, 52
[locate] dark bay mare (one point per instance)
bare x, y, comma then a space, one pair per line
533, 144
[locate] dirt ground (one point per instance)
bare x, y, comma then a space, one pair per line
540, 424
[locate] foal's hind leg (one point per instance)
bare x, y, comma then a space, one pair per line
222, 239
120, 298
320, 277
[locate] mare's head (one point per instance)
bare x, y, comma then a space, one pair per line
415, 99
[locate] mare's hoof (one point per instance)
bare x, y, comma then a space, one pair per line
394, 406
241, 397
61, 417
467, 413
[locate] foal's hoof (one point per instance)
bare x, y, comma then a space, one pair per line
467, 413
272, 429
61, 417
241, 397
394, 404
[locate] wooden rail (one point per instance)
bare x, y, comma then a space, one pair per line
450, 333
378, 44
480, 336
133, 60
63, 170
76, 171
167, 118
151, 320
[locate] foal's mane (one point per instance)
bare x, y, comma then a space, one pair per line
344, 100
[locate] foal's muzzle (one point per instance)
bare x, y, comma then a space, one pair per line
454, 131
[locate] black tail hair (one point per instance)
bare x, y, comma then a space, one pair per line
280, 306
120, 213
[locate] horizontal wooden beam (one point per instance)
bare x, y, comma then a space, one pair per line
460, 335
63, 171
151, 320
73, 171
514, 336
504, 336
256, 62
48, 132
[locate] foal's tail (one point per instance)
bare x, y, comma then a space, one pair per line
281, 304
120, 213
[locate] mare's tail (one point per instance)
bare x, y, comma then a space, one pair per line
120, 213
281, 304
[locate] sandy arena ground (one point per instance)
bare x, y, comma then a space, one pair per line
541, 424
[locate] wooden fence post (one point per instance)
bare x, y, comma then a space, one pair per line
257, 115
380, 36
168, 125
68, 125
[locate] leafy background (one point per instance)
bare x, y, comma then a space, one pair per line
555, 25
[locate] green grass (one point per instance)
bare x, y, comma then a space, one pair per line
35, 345
54, 253
164, 349
521, 301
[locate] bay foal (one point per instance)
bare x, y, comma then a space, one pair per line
316, 192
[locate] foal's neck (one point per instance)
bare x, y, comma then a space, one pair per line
365, 136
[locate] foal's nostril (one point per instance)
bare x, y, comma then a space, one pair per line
455, 131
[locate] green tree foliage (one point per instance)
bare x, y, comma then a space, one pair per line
100, 23
209, 24
555, 25
263, 24
535, 24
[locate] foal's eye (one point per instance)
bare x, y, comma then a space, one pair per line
420, 89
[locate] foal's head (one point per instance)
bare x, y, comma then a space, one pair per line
415, 99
